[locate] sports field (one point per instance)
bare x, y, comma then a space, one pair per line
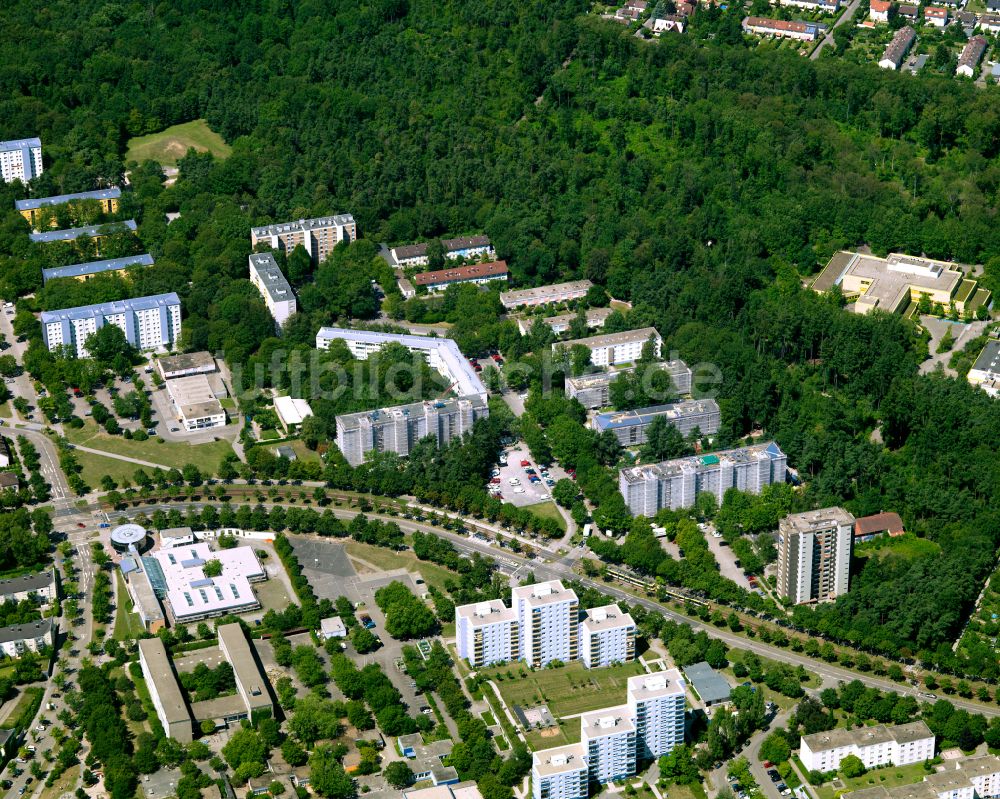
172, 144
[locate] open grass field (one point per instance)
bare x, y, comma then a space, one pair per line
302, 452
387, 559
273, 595
64, 785
168, 146
127, 623
206, 457
548, 510
904, 546
5, 411
883, 777
568, 690
96, 466
30, 698
568, 732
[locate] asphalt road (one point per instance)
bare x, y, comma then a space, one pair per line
828, 38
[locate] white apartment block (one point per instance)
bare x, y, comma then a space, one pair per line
608, 737
318, 236
900, 745
149, 323
656, 703
20, 159
615, 348
606, 636
469, 247
548, 615
266, 275
975, 777
814, 555
560, 773
545, 295
39, 587
826, 6
31, 637
487, 633
594, 390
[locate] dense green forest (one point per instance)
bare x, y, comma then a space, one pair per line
693, 176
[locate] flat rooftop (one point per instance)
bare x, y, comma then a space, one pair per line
190, 592
645, 687
302, 225
271, 277
643, 416
292, 410
611, 339
539, 594
542, 294
90, 231
354, 421
249, 678
600, 379
42, 202
162, 671
890, 277
863, 736
559, 760
710, 685
813, 520
96, 267
989, 358
20, 144
608, 617
186, 361
108, 308
484, 613
712, 460
594, 316
607, 721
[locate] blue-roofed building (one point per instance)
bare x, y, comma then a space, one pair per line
90, 231
149, 323
31, 209
21, 159
630, 427
91, 268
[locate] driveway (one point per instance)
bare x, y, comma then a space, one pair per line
726, 559
961, 332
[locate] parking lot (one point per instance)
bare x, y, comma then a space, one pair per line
523, 491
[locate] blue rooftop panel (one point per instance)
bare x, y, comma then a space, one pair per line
96, 267
77, 232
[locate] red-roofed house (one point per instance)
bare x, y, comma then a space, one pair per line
936, 15
879, 10
868, 527
478, 274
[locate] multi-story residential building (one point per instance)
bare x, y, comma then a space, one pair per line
630, 427
545, 295
487, 633
825, 6
96, 232
990, 23
149, 323
266, 275
559, 324
397, 429
615, 348
475, 274
21, 159
108, 266
896, 50
900, 745
473, 247
548, 615
318, 236
814, 555
985, 372
32, 210
593, 391
972, 54
656, 703
675, 484
606, 636
879, 10
442, 354
560, 773
39, 587
781, 28
609, 741
34, 636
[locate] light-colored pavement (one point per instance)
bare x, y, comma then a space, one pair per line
962, 332
726, 559
828, 37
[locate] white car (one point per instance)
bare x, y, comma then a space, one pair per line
518, 490
514, 481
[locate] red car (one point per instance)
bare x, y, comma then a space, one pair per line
525, 463
496, 357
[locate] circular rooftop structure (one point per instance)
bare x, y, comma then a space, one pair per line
127, 535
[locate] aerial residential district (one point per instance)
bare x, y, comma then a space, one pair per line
301, 509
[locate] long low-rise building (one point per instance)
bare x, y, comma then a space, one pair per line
269, 280
96, 232
186, 364
782, 28
33, 636
824, 6
21, 159
32, 209
896, 50
474, 274
442, 354
630, 427
985, 372
972, 54
975, 777
899, 745
463, 247
149, 323
545, 295
165, 690
399, 428
251, 682
594, 390
195, 403
616, 348
594, 318
40, 586
91, 268
676, 483
318, 236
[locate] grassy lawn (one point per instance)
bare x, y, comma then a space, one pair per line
206, 457
302, 452
127, 623
31, 697
566, 733
883, 777
172, 144
387, 559
5, 411
904, 546
548, 510
568, 690
65, 784
96, 466
273, 595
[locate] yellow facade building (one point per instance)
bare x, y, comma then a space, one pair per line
33, 210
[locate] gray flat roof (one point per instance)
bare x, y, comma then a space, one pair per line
18, 632
95, 267
642, 416
248, 676
318, 222
100, 194
271, 277
164, 680
609, 339
989, 358
20, 144
105, 308
597, 379
90, 231
185, 361
351, 421
710, 460
710, 685
26, 582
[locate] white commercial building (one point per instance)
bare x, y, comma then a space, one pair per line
560, 773
30, 637
195, 403
266, 275
548, 615
487, 633
149, 323
609, 740
814, 555
615, 348
20, 159
606, 636
656, 702
185, 365
985, 372
900, 745
545, 295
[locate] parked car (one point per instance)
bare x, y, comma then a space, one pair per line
525, 463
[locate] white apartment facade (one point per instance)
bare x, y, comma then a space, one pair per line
31, 637
814, 555
615, 348
899, 745
487, 633
608, 737
606, 636
149, 323
318, 236
656, 703
20, 159
560, 773
278, 296
548, 615
545, 295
